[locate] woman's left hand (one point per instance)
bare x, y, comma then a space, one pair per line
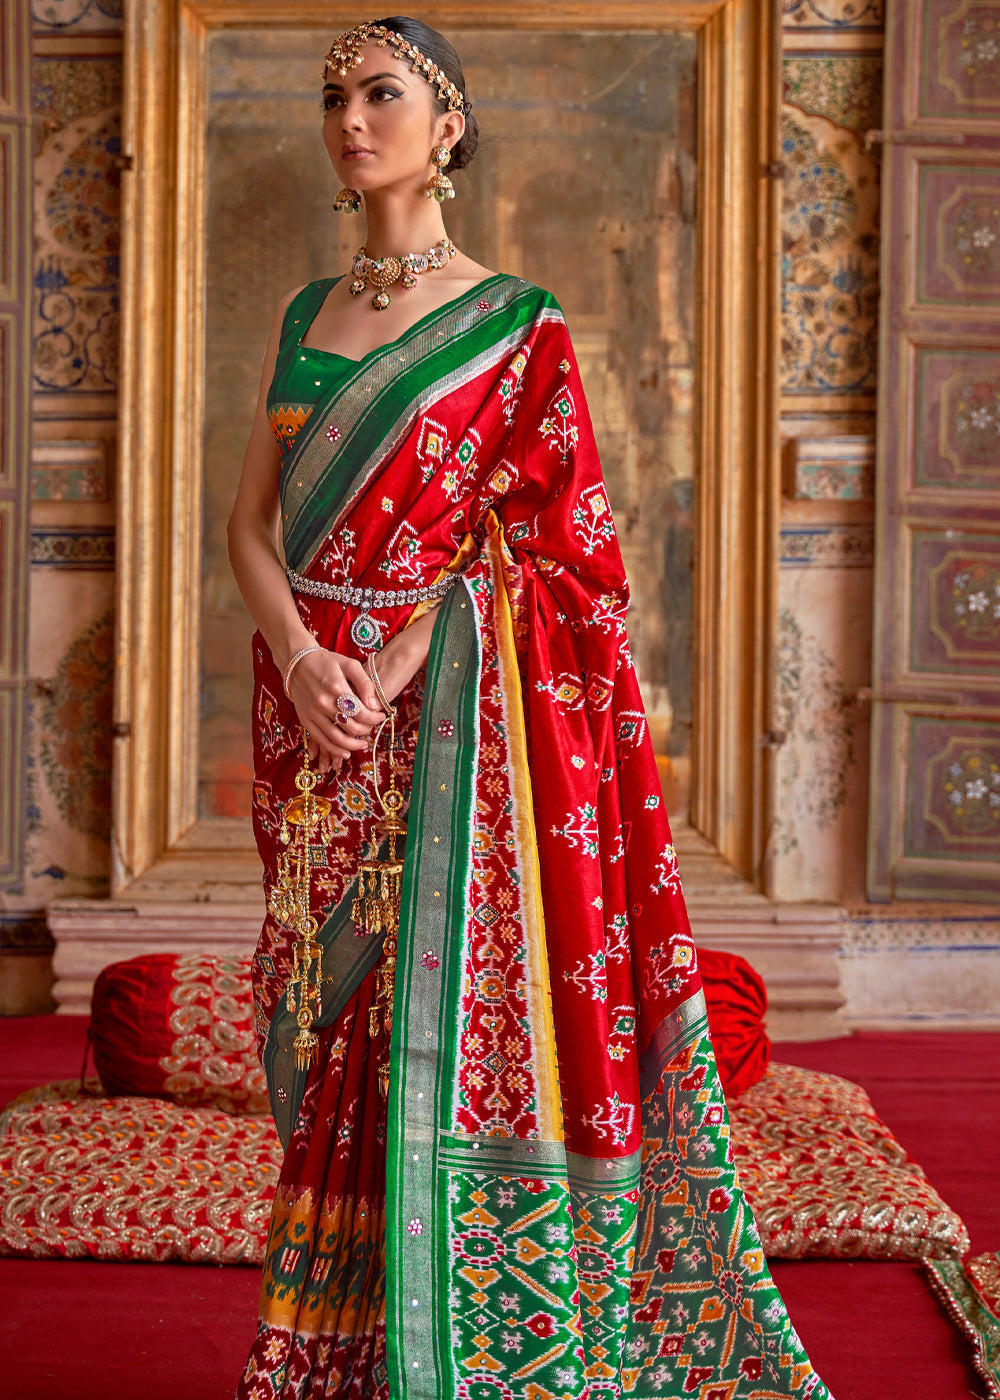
403, 655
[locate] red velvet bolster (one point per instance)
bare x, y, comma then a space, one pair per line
132, 1037
737, 1001
129, 1028
180, 1027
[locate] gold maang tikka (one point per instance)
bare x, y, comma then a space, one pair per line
380, 883
289, 902
347, 51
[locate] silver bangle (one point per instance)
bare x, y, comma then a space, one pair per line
295, 661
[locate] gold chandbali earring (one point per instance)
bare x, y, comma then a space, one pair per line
439, 187
348, 201
383, 272
376, 908
289, 903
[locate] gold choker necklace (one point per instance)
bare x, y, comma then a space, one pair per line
383, 272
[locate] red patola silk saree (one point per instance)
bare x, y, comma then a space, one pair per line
546, 1204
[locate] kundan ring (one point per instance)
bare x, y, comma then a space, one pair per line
348, 704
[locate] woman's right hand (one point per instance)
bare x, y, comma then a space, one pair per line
313, 687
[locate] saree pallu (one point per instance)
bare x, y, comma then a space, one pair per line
561, 1213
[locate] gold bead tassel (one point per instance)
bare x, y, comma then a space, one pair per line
289, 902
377, 906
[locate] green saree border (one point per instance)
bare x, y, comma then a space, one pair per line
347, 960
431, 938
685, 1024
375, 406
969, 1312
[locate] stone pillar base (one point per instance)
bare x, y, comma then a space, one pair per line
91, 933
795, 948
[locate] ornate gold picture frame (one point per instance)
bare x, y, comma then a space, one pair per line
165, 847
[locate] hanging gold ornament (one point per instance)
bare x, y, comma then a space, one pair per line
289, 902
380, 883
439, 187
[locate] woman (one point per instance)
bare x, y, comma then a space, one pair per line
544, 1203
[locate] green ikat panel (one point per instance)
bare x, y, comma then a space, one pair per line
516, 1245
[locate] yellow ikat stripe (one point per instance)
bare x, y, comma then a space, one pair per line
538, 986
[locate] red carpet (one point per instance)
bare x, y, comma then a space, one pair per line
89, 1331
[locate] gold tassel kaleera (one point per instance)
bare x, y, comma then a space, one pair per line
376, 908
289, 903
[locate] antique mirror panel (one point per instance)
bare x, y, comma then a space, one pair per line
622, 166
585, 182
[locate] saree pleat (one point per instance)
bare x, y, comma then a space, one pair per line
322, 1301
546, 1206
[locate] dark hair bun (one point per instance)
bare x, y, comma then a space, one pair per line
465, 148
436, 47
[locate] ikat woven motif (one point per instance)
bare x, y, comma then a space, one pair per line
137, 1178
546, 969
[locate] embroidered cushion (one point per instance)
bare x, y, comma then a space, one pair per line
84, 1176
179, 1026
737, 1001
824, 1175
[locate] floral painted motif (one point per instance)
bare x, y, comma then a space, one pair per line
971, 787
975, 423
75, 725
829, 227
814, 710
975, 601
977, 236
832, 15
77, 196
844, 88
980, 51
78, 16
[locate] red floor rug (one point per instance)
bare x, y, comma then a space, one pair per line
74, 1330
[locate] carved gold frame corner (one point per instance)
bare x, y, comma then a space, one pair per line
160, 847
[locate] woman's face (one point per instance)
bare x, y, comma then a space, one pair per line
380, 122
